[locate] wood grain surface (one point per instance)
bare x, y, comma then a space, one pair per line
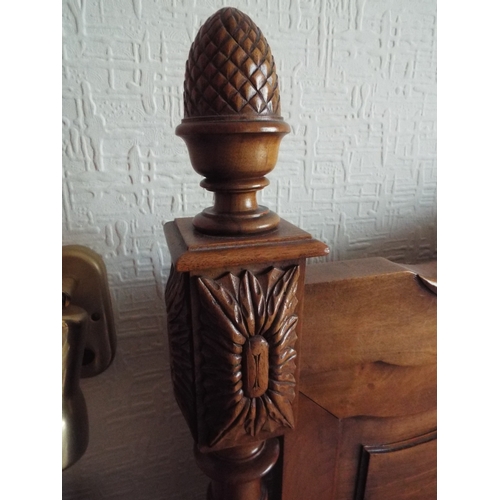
367, 407
369, 331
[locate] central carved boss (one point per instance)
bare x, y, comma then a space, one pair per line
247, 337
255, 366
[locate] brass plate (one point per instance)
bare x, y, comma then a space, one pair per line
85, 284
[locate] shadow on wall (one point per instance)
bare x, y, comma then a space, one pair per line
405, 246
414, 243
140, 447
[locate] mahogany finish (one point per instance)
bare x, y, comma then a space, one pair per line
234, 336
367, 414
232, 124
376, 324
236, 305
235, 292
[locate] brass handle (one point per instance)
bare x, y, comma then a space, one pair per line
85, 284
75, 426
88, 341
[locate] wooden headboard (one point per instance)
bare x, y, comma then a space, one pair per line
292, 390
367, 411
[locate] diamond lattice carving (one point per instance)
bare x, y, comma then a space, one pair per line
230, 69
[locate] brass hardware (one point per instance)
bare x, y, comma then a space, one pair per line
88, 341
85, 284
68, 286
75, 426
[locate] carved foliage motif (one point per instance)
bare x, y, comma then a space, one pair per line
248, 357
181, 350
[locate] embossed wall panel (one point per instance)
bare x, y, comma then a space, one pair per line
358, 171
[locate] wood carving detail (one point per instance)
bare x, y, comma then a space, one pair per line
416, 465
230, 69
181, 350
248, 358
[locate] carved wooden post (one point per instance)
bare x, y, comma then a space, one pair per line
234, 295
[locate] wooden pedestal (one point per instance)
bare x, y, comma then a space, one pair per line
234, 308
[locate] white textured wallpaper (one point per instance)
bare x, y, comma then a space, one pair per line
358, 171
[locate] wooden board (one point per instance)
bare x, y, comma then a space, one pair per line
367, 409
369, 332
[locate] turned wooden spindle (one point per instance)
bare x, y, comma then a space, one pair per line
235, 291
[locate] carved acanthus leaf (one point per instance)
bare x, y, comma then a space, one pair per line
181, 350
235, 309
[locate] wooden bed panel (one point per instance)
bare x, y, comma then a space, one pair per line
235, 297
405, 470
369, 333
310, 454
360, 434
326, 457
367, 410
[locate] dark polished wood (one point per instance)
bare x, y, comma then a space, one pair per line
235, 297
367, 414
244, 465
234, 334
376, 325
402, 470
232, 124
235, 292
192, 250
230, 70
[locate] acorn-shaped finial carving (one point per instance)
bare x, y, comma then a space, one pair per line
230, 70
232, 124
